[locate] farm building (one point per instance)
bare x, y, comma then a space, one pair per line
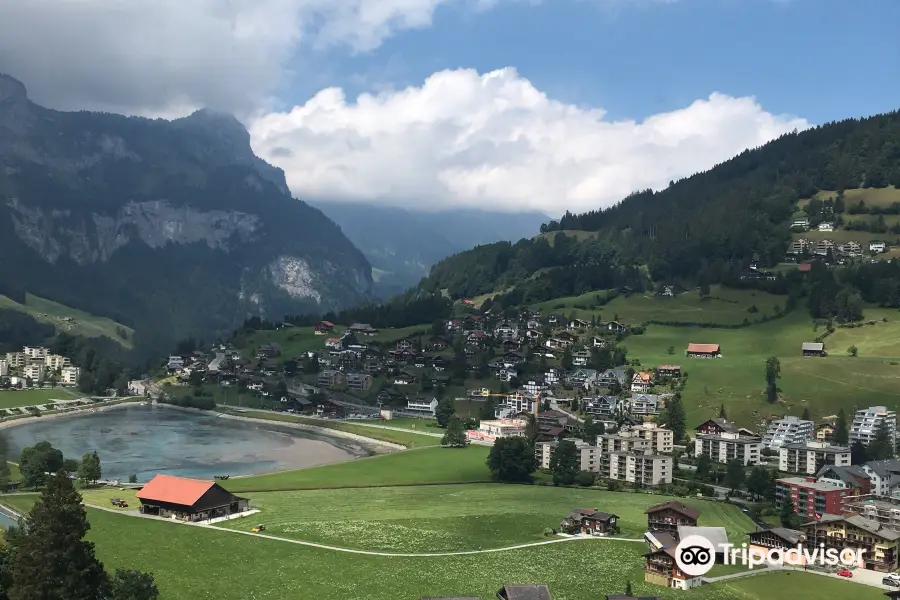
188, 499
813, 349
703, 351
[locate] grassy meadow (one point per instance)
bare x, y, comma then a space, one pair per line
32, 397
412, 467
738, 378
440, 518
69, 320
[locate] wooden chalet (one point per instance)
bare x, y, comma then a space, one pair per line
662, 570
669, 370
590, 521
703, 351
813, 349
779, 538
668, 516
323, 327
188, 499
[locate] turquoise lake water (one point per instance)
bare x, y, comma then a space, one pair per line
146, 440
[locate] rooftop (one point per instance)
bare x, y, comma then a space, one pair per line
174, 490
811, 485
703, 348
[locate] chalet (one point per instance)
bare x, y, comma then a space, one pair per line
718, 426
454, 326
554, 320
507, 330
577, 324
268, 350
554, 375
597, 342
644, 404
662, 569
777, 538
668, 371
436, 343
703, 351
798, 247
558, 343
589, 521
533, 324
641, 382
422, 405
533, 334
877, 247
813, 349
403, 378
513, 358
330, 378
333, 342
601, 406
581, 357
802, 224
584, 378
826, 226
176, 363
188, 499
323, 327
361, 382
406, 345
822, 247
837, 531
611, 377
615, 327
669, 516
667, 291
477, 337
362, 329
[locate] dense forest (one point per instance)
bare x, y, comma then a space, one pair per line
699, 229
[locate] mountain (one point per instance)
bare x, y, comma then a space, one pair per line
402, 245
174, 228
703, 229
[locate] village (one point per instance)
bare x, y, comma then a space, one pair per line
36, 366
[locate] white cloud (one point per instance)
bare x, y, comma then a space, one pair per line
170, 56
464, 139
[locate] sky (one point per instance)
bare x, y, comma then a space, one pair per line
510, 105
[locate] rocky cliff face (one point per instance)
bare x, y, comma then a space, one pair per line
171, 224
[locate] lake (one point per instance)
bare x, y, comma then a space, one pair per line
146, 440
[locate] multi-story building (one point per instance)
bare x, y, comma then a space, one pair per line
359, 381
857, 533
34, 371
643, 404
810, 457
725, 446
669, 516
4, 367
788, 430
424, 405
661, 440
35, 352
853, 478
809, 497
866, 422
884, 475
69, 375
589, 455
662, 570
618, 442
643, 468
55, 362
16, 360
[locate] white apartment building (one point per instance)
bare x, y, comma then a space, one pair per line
490, 431
34, 371
788, 430
69, 376
657, 439
4, 367
55, 362
643, 468
724, 446
35, 352
866, 422
589, 455
810, 457
16, 360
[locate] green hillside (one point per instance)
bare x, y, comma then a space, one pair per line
70, 320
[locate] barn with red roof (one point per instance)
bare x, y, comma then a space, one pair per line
188, 499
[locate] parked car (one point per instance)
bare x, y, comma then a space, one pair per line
891, 579
844, 573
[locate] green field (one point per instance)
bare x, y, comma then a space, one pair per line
428, 465
12, 399
725, 306
69, 320
197, 562
363, 428
456, 518
411, 423
882, 197
738, 378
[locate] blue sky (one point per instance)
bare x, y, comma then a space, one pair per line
820, 59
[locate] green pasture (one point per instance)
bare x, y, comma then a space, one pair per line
32, 397
69, 320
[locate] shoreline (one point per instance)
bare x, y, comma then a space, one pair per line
92, 408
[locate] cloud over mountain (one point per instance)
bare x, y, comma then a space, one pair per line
494, 140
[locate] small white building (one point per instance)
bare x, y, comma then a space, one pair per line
35, 351
4, 367
878, 247
826, 226
55, 362
34, 371
425, 406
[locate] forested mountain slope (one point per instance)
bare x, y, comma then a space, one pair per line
174, 228
701, 229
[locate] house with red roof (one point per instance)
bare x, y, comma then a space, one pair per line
323, 327
703, 351
188, 499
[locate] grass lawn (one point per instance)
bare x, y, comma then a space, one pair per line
228, 566
410, 440
70, 320
738, 378
12, 399
102, 496
456, 518
413, 424
882, 197
725, 306
428, 465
